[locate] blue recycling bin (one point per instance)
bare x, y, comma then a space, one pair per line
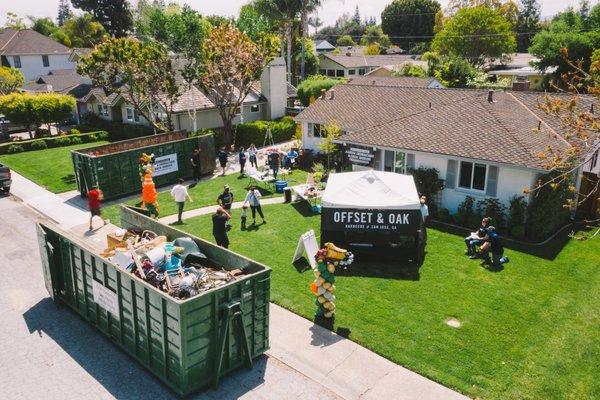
280, 185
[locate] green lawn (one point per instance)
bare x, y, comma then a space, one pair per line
51, 168
530, 331
205, 194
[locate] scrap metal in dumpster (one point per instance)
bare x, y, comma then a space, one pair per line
185, 309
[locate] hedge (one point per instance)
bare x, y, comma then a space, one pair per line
312, 87
49, 142
117, 131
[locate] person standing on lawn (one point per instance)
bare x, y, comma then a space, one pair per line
94, 197
425, 215
179, 194
274, 161
195, 161
252, 155
242, 157
225, 200
253, 199
219, 221
222, 155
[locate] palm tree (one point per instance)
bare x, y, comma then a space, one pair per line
307, 6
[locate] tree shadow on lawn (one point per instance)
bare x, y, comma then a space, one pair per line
383, 268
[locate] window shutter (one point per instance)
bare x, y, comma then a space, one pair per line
492, 181
410, 162
451, 174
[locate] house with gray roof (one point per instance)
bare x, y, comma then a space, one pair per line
32, 53
347, 65
481, 142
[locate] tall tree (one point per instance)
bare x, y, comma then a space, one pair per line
403, 18
308, 6
45, 25
356, 15
231, 64
252, 23
14, 21
10, 80
584, 12
142, 72
528, 24
64, 12
82, 31
477, 34
114, 15
374, 34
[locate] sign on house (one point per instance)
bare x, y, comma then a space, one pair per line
392, 221
165, 164
360, 155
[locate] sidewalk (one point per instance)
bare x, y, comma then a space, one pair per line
343, 367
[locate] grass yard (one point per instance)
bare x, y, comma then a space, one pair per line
530, 331
50, 168
205, 194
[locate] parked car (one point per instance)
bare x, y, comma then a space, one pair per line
5, 179
7, 127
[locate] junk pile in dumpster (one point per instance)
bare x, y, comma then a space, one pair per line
178, 268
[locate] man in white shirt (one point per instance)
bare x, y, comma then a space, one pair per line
425, 215
179, 194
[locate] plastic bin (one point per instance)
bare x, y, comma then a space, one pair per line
280, 185
187, 343
287, 194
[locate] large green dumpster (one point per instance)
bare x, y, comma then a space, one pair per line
188, 343
114, 167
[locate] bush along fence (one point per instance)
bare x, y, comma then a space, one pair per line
254, 132
51, 142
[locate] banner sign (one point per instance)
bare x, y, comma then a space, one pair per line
307, 243
165, 164
105, 298
383, 221
360, 155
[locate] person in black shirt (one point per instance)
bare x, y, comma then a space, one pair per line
274, 160
477, 238
222, 155
242, 156
225, 200
219, 221
493, 244
195, 161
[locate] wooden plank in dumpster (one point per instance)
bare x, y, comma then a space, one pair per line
114, 167
187, 343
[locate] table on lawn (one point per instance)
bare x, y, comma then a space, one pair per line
300, 192
259, 178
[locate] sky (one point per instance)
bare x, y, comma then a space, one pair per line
329, 12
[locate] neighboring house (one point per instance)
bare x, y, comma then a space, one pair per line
267, 100
65, 81
481, 142
349, 64
396, 81
32, 53
388, 70
323, 46
531, 77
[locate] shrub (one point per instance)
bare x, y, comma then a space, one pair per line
38, 144
76, 140
62, 141
74, 131
312, 86
15, 148
409, 69
428, 184
466, 212
494, 209
516, 211
444, 215
254, 132
102, 135
518, 231
90, 138
41, 133
546, 212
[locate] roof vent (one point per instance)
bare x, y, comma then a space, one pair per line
374, 82
323, 94
331, 94
491, 96
592, 108
539, 125
429, 105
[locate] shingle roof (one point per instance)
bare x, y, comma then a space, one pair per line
354, 60
60, 81
28, 41
397, 81
454, 122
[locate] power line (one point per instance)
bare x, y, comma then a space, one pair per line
448, 36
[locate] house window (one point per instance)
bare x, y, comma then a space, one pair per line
238, 110
395, 161
361, 71
255, 108
315, 130
472, 175
129, 112
331, 72
45, 61
339, 73
102, 110
136, 116
17, 61
351, 72
322, 72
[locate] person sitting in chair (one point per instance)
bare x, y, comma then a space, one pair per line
493, 244
477, 238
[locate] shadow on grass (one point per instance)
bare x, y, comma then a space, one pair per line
69, 179
302, 265
383, 268
303, 208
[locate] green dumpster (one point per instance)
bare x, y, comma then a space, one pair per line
114, 167
187, 344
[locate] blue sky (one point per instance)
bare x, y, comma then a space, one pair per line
329, 12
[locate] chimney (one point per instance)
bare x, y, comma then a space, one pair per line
520, 85
490, 96
331, 94
323, 94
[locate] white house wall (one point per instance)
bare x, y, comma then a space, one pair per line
32, 66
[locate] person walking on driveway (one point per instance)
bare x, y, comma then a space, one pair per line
219, 220
242, 156
253, 199
94, 197
222, 155
179, 194
195, 161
